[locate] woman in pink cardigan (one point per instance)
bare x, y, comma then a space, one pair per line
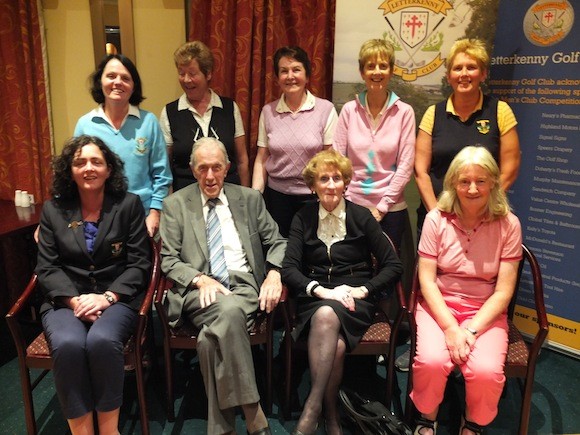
376, 131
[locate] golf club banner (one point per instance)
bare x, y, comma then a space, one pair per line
536, 69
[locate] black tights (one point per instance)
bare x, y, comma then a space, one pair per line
326, 350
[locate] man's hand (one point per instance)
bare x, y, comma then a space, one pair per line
208, 289
270, 291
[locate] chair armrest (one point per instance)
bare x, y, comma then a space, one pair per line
22, 301
14, 313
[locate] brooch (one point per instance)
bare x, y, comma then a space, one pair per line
75, 224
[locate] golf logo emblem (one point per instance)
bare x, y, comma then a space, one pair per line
548, 22
414, 29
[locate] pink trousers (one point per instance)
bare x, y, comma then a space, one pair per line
483, 371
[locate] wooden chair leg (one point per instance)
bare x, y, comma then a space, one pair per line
141, 395
269, 360
169, 382
27, 399
526, 405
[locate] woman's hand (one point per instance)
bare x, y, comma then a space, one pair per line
152, 222
378, 215
458, 343
341, 294
356, 292
88, 307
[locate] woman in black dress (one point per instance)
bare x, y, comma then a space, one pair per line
329, 267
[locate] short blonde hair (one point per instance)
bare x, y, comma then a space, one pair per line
195, 50
323, 160
474, 48
497, 205
375, 48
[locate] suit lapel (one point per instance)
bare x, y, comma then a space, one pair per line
195, 210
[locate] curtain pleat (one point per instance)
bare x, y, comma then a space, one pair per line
25, 138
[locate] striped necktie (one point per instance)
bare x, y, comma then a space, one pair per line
217, 259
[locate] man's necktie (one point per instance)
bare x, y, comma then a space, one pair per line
217, 259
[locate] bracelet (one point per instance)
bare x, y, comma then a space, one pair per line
471, 331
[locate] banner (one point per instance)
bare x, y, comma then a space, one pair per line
421, 32
536, 69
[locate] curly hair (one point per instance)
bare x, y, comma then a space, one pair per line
64, 187
194, 50
324, 159
373, 49
497, 204
293, 52
97, 86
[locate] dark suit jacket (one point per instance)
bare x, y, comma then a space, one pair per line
184, 249
349, 261
121, 258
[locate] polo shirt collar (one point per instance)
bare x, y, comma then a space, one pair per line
451, 109
282, 107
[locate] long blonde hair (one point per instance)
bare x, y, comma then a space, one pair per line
497, 204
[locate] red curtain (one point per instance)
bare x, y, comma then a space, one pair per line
25, 143
243, 36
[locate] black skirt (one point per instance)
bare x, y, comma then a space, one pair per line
353, 323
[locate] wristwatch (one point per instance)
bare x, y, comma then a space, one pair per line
110, 298
196, 279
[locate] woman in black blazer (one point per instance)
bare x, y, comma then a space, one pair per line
93, 266
328, 265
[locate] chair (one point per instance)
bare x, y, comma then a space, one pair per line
379, 339
521, 358
184, 337
36, 354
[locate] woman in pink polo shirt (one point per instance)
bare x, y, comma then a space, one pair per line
469, 253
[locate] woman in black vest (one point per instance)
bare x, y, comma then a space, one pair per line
200, 112
467, 117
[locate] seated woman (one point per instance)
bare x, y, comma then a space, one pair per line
93, 265
469, 253
328, 265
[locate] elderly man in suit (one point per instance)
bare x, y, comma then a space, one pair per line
223, 250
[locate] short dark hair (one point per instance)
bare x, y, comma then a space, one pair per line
294, 52
97, 86
64, 187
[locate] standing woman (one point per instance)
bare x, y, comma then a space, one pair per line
93, 266
131, 132
291, 131
200, 112
376, 131
329, 266
467, 117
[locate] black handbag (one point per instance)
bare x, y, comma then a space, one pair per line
371, 416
